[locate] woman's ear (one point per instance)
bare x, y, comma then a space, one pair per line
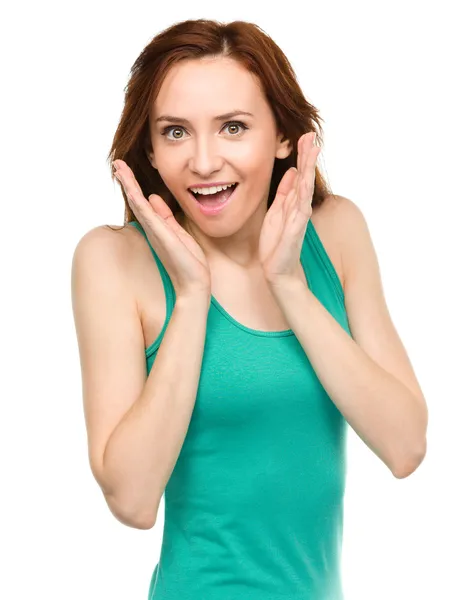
284, 148
150, 156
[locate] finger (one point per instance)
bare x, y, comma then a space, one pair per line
299, 154
160, 207
310, 168
138, 204
300, 158
303, 149
128, 180
286, 184
132, 189
308, 180
122, 180
304, 144
304, 194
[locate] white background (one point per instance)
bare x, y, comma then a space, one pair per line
393, 83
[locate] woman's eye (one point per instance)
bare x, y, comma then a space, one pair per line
231, 124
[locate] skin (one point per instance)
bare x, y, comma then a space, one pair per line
246, 234
380, 396
210, 150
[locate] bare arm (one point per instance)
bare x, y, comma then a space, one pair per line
136, 424
143, 449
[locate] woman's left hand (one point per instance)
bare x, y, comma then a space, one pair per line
285, 223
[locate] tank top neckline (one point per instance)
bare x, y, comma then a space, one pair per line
258, 332
216, 304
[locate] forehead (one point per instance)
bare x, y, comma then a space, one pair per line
209, 86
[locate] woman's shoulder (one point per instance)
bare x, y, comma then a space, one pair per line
143, 277
116, 239
124, 233
343, 228
326, 220
112, 247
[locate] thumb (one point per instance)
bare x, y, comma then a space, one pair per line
159, 206
285, 186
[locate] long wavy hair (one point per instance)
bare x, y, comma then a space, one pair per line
195, 39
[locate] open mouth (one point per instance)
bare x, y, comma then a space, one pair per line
213, 204
214, 198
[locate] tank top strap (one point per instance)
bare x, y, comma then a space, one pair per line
168, 285
321, 271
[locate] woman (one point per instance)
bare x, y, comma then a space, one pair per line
221, 360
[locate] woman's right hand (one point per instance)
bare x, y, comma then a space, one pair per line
181, 255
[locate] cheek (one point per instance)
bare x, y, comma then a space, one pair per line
165, 165
168, 172
252, 159
259, 171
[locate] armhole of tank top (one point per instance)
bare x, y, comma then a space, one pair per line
316, 242
168, 290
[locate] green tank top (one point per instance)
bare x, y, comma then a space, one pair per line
254, 506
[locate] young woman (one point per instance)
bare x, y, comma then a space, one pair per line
221, 359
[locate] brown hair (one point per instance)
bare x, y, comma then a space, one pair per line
194, 39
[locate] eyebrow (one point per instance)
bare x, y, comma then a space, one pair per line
234, 113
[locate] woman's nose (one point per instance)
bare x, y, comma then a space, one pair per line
206, 158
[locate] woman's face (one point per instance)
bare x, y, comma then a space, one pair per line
201, 148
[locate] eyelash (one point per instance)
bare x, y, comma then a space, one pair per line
172, 127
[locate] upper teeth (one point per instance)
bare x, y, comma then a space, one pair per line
211, 190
